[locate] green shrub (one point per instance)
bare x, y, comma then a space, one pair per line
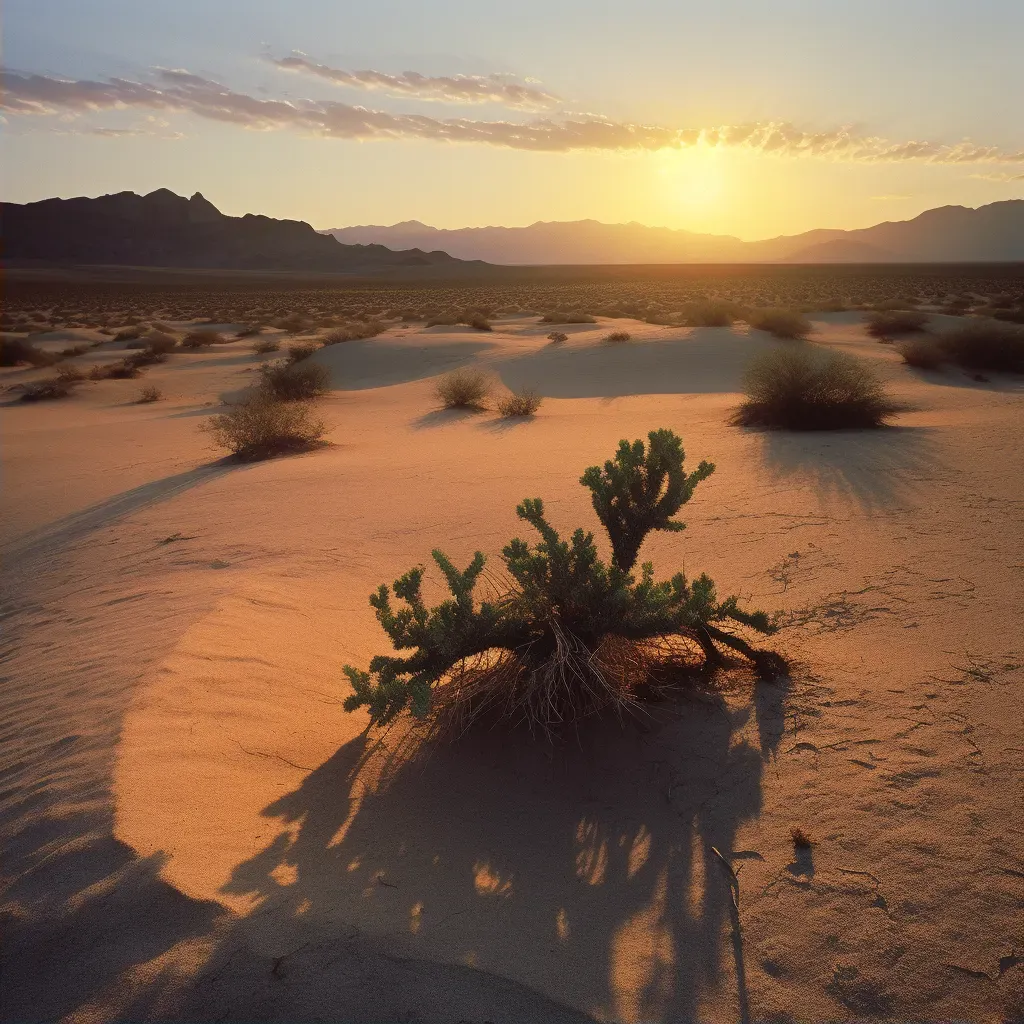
463, 389
923, 353
812, 389
15, 351
986, 346
264, 426
294, 383
572, 635
618, 336
886, 325
519, 403
557, 337
782, 323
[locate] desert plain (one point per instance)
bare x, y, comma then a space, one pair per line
194, 828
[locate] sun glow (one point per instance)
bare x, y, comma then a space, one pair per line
694, 183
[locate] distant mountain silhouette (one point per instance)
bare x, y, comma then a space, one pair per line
953, 234
162, 229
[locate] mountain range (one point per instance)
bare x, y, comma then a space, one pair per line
162, 229
949, 234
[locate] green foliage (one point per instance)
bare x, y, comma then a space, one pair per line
562, 595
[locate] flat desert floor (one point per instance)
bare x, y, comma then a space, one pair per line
194, 829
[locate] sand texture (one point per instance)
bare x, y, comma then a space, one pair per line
193, 828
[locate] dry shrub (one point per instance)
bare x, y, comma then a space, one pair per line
150, 393
161, 343
519, 403
297, 353
249, 331
202, 339
265, 426
478, 322
463, 389
128, 333
557, 337
619, 336
353, 332
567, 318
923, 353
782, 323
15, 351
888, 324
74, 350
265, 346
986, 346
126, 369
812, 389
59, 386
161, 327
712, 314
294, 383
443, 320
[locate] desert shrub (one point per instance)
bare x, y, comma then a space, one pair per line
265, 426
619, 336
59, 386
248, 331
291, 383
557, 337
923, 353
297, 353
159, 342
891, 323
1011, 316
519, 403
986, 346
890, 305
478, 322
149, 393
265, 345
291, 323
160, 327
567, 318
353, 332
74, 350
128, 333
15, 351
572, 634
125, 369
782, 323
443, 320
201, 339
711, 314
802, 389
463, 389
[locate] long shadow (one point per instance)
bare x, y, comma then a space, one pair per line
583, 872
875, 469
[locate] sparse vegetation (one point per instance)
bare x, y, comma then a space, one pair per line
289, 383
712, 314
353, 332
201, 339
465, 388
160, 343
782, 323
981, 345
128, 333
619, 336
266, 345
59, 386
801, 840
148, 394
74, 350
923, 353
812, 389
572, 635
264, 426
557, 337
297, 353
16, 351
519, 403
886, 325
567, 318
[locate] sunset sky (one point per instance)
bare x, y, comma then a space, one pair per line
736, 117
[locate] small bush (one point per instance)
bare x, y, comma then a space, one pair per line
297, 353
441, 320
290, 383
265, 346
923, 353
567, 318
353, 332
463, 389
986, 346
264, 426
148, 394
782, 323
128, 333
74, 350
519, 403
201, 339
478, 323
801, 840
557, 337
711, 314
15, 351
249, 331
619, 336
126, 369
798, 389
161, 328
159, 342
889, 324
59, 386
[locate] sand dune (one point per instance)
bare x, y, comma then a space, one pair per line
195, 830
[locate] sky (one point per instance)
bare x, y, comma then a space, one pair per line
738, 117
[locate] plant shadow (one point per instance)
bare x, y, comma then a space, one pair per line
444, 417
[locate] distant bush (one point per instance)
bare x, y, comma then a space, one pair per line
442, 320
782, 323
248, 331
923, 353
128, 333
711, 314
294, 383
353, 332
463, 389
812, 389
292, 323
159, 342
557, 337
148, 394
478, 323
297, 353
125, 369
886, 325
264, 426
619, 336
74, 350
265, 345
161, 327
15, 351
202, 339
567, 318
519, 403
986, 346
59, 386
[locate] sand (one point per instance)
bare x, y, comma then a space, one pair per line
194, 829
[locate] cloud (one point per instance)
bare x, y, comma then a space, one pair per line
462, 89
182, 91
1003, 177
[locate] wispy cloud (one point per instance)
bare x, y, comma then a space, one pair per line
461, 89
1003, 177
181, 91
